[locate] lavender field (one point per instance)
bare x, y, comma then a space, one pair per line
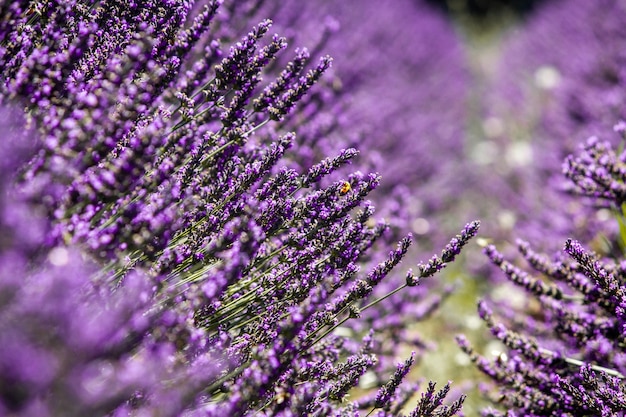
312, 208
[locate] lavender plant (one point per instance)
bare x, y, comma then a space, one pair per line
68, 345
166, 141
402, 88
401, 61
565, 355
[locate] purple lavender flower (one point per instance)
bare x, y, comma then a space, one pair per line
69, 345
402, 103
168, 155
404, 78
565, 353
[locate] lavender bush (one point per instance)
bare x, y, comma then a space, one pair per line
203, 256
565, 356
401, 61
402, 86
68, 345
562, 347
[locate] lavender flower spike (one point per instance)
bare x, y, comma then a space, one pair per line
450, 252
387, 391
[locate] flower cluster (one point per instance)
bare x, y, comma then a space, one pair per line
404, 102
564, 350
221, 256
598, 173
402, 87
561, 344
69, 345
568, 355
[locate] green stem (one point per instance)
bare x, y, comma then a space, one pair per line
232, 374
384, 297
327, 332
579, 364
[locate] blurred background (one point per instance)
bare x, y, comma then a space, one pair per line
490, 9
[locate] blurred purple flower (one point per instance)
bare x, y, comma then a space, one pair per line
559, 80
67, 344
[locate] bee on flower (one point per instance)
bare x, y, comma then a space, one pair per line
345, 188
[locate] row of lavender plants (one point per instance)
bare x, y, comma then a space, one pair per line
182, 233
558, 96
